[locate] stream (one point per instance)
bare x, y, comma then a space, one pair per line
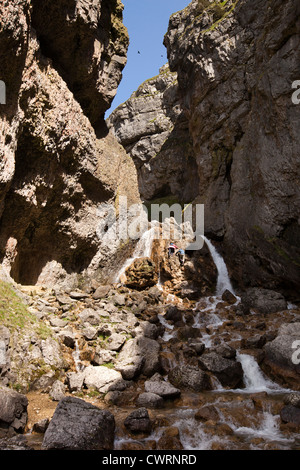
243, 418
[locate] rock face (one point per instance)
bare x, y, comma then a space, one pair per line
236, 62
154, 131
232, 112
61, 170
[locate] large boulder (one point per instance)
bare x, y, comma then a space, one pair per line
102, 378
138, 421
161, 387
13, 410
191, 378
228, 371
139, 356
263, 300
141, 274
281, 360
78, 425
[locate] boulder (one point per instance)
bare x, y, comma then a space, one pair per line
188, 377
150, 400
161, 387
13, 410
263, 300
101, 292
141, 274
229, 372
290, 414
57, 391
229, 297
139, 355
78, 425
138, 421
281, 358
115, 341
89, 315
101, 378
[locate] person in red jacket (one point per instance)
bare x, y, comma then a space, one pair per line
171, 249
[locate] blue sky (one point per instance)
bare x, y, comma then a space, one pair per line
147, 22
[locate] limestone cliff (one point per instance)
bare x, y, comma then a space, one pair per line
154, 131
59, 165
236, 61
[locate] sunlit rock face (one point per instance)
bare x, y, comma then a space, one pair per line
154, 131
60, 167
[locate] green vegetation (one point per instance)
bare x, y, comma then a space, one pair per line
15, 315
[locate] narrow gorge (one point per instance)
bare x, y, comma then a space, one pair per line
108, 340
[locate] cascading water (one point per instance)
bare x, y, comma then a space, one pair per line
143, 248
223, 282
254, 379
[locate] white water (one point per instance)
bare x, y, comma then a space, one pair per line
143, 248
254, 379
223, 282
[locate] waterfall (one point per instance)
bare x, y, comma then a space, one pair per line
254, 379
143, 248
223, 282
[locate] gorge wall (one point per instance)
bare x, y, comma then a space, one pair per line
60, 169
235, 62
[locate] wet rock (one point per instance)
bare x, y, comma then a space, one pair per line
138, 421
13, 410
170, 440
14, 443
198, 347
173, 313
206, 413
189, 378
290, 414
227, 371
78, 425
161, 387
229, 297
256, 341
150, 400
263, 300
226, 351
280, 361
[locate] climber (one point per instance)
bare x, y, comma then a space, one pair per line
171, 249
181, 256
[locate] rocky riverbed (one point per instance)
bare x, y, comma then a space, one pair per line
152, 369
